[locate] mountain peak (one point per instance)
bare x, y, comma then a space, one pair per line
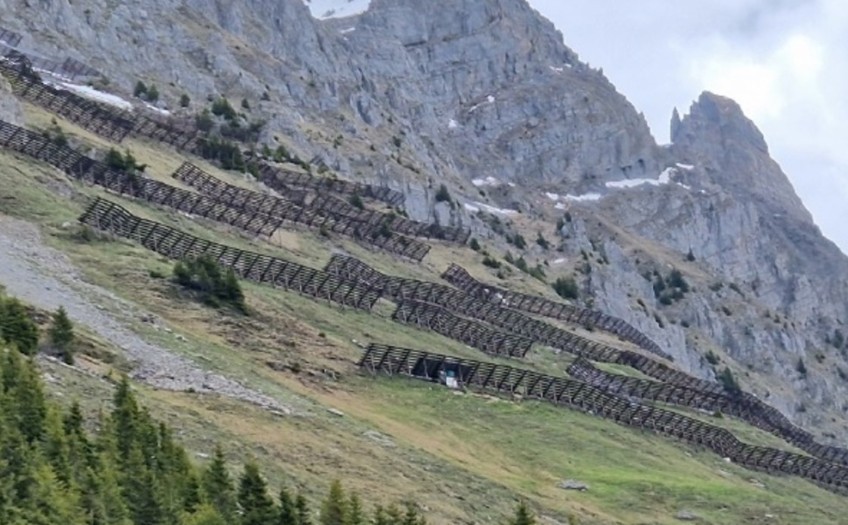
721, 118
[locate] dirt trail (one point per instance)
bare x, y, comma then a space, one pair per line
44, 277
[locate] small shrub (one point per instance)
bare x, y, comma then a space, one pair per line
214, 285
140, 89
443, 195
518, 241
185, 101
521, 264
566, 288
801, 367
474, 244
245, 105
537, 272
729, 382
152, 93
735, 288
222, 108
491, 262
156, 274
541, 241
712, 358
204, 121
356, 201
690, 256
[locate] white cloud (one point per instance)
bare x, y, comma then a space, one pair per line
782, 60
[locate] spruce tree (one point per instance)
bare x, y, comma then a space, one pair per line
355, 514
61, 334
288, 512
523, 516
334, 508
257, 507
302, 509
17, 328
204, 515
218, 486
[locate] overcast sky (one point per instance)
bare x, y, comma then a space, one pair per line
784, 61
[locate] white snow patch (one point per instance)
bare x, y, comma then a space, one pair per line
687, 167
348, 30
557, 69
664, 178
488, 181
161, 111
510, 184
324, 9
491, 99
492, 209
100, 96
452, 124
471, 208
559, 261
583, 198
553, 196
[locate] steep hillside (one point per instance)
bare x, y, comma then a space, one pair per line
697, 256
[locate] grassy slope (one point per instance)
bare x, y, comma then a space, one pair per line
466, 457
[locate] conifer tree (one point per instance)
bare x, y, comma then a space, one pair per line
29, 401
380, 517
355, 514
218, 486
523, 516
17, 328
61, 334
334, 508
257, 507
288, 512
302, 509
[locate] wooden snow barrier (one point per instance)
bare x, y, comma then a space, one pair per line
674, 386
459, 277
755, 413
506, 380
272, 176
292, 207
109, 217
92, 171
282, 180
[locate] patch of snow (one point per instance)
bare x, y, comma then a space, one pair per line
452, 124
687, 167
491, 99
560, 206
348, 30
471, 208
510, 184
583, 198
492, 209
488, 181
100, 96
665, 176
553, 196
161, 111
559, 261
43, 72
325, 9
557, 69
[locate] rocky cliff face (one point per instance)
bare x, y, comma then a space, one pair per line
455, 91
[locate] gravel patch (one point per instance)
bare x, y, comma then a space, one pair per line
45, 278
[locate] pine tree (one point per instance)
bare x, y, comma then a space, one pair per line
17, 328
302, 509
523, 516
355, 514
288, 512
218, 486
256, 505
334, 508
380, 517
141, 491
29, 401
61, 334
